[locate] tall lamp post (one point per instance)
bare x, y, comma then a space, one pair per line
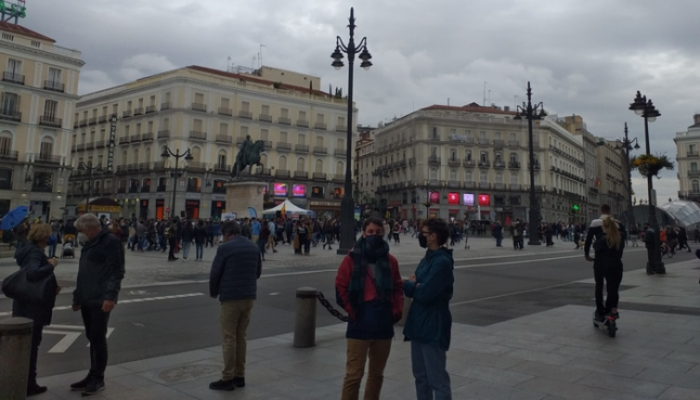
177, 172
347, 205
90, 170
531, 113
646, 109
626, 146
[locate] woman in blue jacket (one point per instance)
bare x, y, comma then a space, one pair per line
429, 320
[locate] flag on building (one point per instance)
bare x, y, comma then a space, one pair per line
284, 211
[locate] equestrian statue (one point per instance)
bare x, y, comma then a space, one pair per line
247, 157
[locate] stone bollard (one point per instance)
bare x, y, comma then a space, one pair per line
305, 323
15, 347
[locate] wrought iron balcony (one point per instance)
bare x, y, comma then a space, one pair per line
284, 121
13, 78
484, 164
164, 134
126, 114
199, 107
319, 175
514, 165
54, 86
434, 160
47, 159
245, 114
301, 174
147, 137
320, 150
151, 109
50, 121
301, 147
197, 135
284, 146
135, 138
138, 111
224, 138
302, 123
282, 173
10, 115
8, 155
320, 125
265, 118
165, 106
225, 111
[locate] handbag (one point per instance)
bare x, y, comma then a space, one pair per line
16, 286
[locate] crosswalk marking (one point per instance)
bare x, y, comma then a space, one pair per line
128, 301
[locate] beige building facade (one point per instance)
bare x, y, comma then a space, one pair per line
39, 90
687, 145
589, 143
210, 113
472, 162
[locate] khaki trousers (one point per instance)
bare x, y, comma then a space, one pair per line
270, 242
234, 318
358, 350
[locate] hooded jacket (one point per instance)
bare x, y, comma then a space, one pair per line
100, 271
33, 259
429, 318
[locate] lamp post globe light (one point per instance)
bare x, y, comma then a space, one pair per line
646, 109
531, 113
177, 172
90, 170
347, 205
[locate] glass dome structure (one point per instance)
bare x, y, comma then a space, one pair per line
685, 213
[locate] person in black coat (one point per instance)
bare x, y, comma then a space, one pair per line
200, 238
38, 267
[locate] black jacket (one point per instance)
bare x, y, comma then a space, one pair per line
596, 238
235, 270
33, 259
100, 271
200, 235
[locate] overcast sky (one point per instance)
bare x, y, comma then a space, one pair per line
582, 57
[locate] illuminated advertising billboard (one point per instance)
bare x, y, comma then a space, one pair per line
299, 190
280, 189
435, 197
452, 198
484, 200
468, 199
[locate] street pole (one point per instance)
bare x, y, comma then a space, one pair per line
534, 214
628, 147
176, 173
645, 108
347, 204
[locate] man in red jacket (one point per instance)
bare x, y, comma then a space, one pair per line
369, 287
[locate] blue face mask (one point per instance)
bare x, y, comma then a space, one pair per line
374, 241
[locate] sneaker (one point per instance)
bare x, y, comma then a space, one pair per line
615, 315
93, 387
80, 385
33, 389
239, 381
598, 317
222, 385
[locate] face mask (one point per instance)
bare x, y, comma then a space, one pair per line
374, 241
422, 240
83, 238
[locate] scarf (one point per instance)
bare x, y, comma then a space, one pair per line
362, 256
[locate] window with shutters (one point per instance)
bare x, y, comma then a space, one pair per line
46, 149
224, 103
514, 178
483, 177
499, 177
221, 160
5, 143
54, 75
10, 103
265, 110
283, 138
301, 139
284, 113
302, 115
245, 106
340, 145
264, 134
199, 98
50, 109
223, 129
320, 118
197, 125
301, 164
244, 131
319, 141
14, 66
283, 163
453, 175
319, 166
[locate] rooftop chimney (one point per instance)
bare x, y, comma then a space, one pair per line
696, 118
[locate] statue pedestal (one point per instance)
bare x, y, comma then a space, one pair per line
244, 194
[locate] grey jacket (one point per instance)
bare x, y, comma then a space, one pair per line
235, 270
100, 271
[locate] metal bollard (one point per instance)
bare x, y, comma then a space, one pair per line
305, 323
15, 347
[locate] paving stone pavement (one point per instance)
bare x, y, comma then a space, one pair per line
153, 267
552, 354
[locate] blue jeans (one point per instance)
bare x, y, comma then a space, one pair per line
430, 372
52, 250
199, 250
186, 248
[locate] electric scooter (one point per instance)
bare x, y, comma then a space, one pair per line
608, 324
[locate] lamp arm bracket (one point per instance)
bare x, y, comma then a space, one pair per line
339, 42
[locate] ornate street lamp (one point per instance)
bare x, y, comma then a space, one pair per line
645, 108
177, 172
90, 170
531, 113
626, 147
347, 205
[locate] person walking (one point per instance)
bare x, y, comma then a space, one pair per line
498, 233
369, 287
233, 279
429, 320
304, 231
100, 273
187, 238
607, 237
172, 233
38, 268
271, 243
263, 237
200, 237
328, 231
683, 239
255, 229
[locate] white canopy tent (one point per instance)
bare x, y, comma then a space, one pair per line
289, 208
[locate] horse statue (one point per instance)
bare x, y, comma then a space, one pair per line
247, 157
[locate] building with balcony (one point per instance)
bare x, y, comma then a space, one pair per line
39, 91
574, 124
473, 161
211, 112
613, 176
687, 145
365, 187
